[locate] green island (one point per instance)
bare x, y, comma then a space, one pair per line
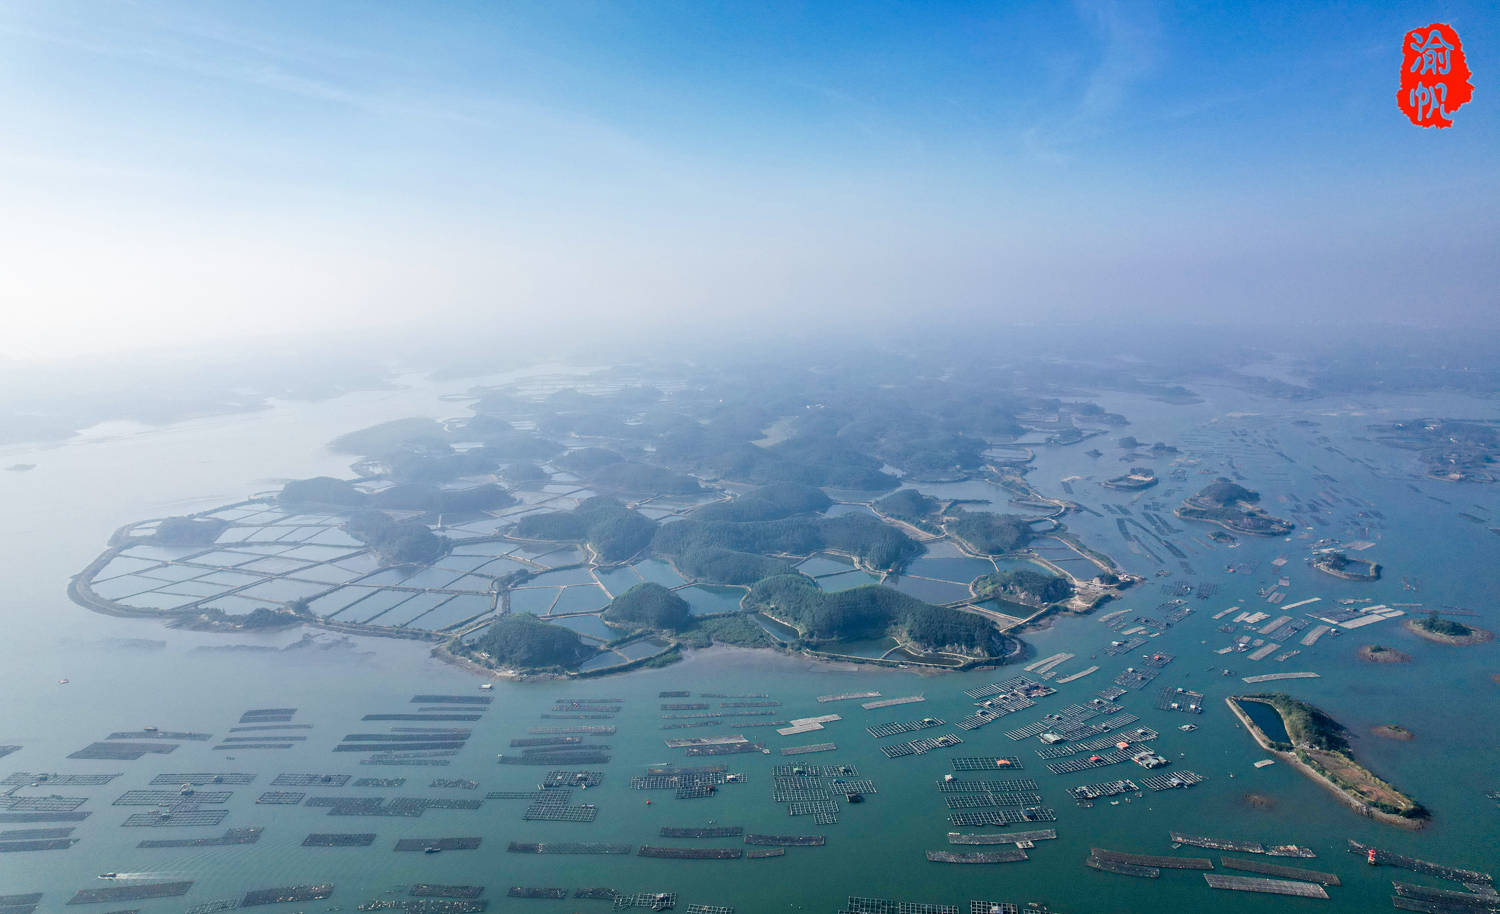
594, 529
1138, 478
1342, 566
1315, 744
1379, 653
1232, 507
1433, 627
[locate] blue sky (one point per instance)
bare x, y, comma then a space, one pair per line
188, 171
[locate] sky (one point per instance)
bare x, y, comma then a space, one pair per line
215, 173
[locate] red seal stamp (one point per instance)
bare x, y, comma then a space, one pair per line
1434, 76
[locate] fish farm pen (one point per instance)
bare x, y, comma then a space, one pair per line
310, 780
920, 746
998, 818
27, 779
280, 798
986, 763
189, 818
290, 894
131, 892
442, 844
858, 905
809, 749
339, 839
431, 890
1266, 886
519, 891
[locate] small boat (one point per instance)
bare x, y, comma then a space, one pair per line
62, 682
432, 849
151, 729
487, 686
109, 875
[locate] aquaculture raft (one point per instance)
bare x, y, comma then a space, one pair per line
787, 840
1009, 855
691, 853
1267, 886
568, 847
1452, 873
1176, 863
858, 905
1015, 837
1123, 869
1274, 869
711, 831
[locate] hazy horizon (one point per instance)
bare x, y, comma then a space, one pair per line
182, 174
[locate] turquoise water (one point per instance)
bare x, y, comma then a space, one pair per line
126, 673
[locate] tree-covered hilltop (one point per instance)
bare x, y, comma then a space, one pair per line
1435, 623
188, 531
389, 437
1022, 585
771, 502
726, 566
644, 479
878, 545
441, 465
614, 531
989, 533
1340, 565
650, 606
406, 542
1222, 492
1233, 506
520, 641
909, 505
417, 496
321, 491
871, 612
585, 460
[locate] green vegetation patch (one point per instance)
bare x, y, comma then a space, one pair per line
522, 642
651, 606
614, 531
1032, 588
991, 534
873, 611
771, 502
188, 531
878, 545
727, 566
406, 542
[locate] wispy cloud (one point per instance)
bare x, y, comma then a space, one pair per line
1128, 51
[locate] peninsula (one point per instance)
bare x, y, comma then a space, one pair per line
543, 536
1314, 743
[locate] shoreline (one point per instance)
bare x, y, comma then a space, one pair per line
1291, 758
